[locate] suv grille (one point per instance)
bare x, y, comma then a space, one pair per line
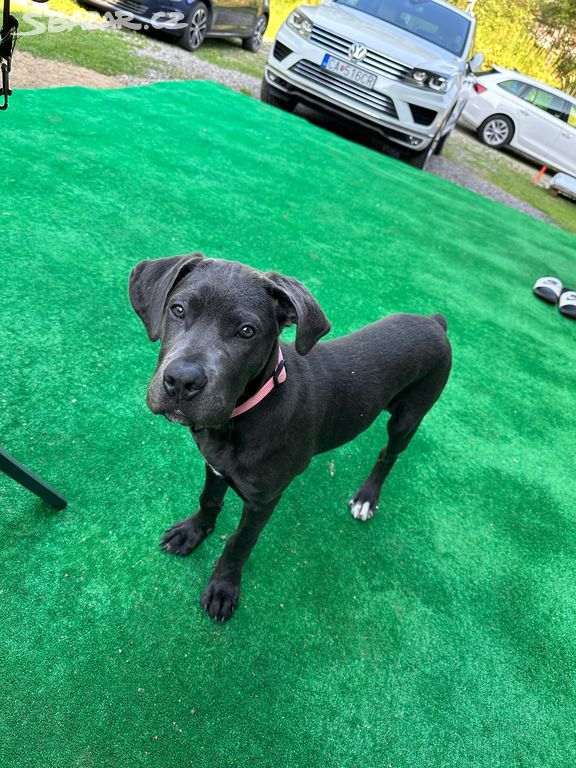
373, 60
347, 88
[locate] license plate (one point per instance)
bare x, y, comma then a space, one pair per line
348, 72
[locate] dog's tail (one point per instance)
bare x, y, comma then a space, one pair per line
441, 320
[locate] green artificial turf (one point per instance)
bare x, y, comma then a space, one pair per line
440, 634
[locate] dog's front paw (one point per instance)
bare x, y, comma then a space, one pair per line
220, 599
361, 509
184, 536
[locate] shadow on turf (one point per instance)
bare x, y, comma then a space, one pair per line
346, 130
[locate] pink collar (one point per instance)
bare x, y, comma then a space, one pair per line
278, 377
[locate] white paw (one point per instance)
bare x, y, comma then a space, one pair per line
361, 510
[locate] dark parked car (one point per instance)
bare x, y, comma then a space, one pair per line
193, 21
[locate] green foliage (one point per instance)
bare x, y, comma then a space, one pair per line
507, 36
558, 18
558, 13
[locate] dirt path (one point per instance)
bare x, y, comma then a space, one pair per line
31, 72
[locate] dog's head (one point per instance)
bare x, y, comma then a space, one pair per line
217, 322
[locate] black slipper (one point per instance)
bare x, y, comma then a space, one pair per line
567, 303
548, 289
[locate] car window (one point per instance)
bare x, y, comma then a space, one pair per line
572, 115
513, 86
548, 102
423, 18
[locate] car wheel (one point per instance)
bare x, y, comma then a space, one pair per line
270, 95
450, 124
195, 33
420, 159
440, 146
496, 131
254, 42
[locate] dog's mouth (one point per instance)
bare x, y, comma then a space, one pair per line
197, 414
177, 416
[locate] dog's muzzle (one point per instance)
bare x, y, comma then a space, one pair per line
186, 393
183, 381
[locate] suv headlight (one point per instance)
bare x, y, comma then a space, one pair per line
429, 80
300, 23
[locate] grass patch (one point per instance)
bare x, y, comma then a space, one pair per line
225, 54
496, 168
102, 50
560, 210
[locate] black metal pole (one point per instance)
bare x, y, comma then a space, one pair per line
7, 39
6, 17
22, 475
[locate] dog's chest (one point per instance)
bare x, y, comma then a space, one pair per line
231, 462
218, 454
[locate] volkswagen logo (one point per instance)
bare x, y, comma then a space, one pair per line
357, 52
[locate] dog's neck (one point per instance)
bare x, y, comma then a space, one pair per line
266, 373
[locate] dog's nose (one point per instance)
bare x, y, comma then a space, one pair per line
184, 379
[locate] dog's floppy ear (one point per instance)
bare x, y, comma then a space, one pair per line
150, 283
297, 305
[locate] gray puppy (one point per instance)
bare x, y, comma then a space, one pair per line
259, 412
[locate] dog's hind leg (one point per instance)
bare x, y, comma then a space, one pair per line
185, 536
364, 503
407, 411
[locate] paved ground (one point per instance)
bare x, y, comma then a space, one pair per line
31, 72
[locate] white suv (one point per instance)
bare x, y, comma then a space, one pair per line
401, 67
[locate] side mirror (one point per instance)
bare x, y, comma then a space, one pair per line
476, 62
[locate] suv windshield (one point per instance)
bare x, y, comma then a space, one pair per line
424, 18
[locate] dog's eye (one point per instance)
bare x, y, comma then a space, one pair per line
177, 310
246, 332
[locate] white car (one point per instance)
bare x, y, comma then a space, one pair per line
509, 109
562, 184
400, 67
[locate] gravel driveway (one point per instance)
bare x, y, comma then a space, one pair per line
30, 72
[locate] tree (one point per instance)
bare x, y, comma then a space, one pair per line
506, 35
558, 19
537, 37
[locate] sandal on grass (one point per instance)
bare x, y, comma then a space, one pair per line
567, 303
548, 289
